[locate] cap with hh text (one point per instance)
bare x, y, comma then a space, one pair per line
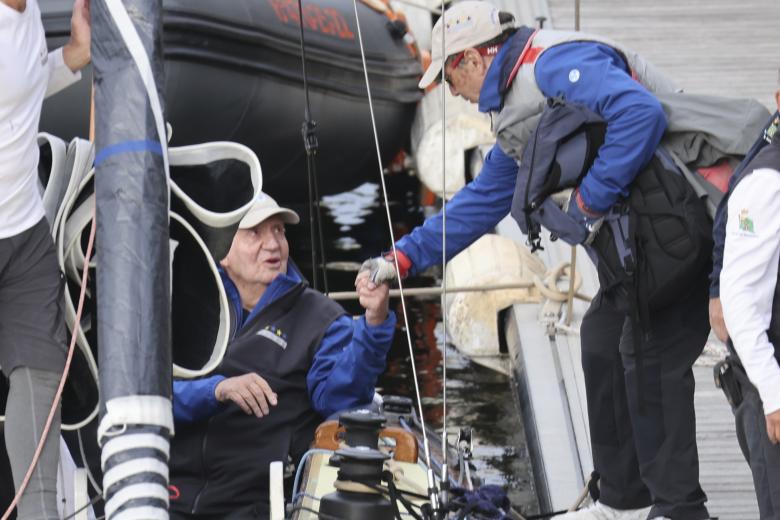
466, 24
264, 207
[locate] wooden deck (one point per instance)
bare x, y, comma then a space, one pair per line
718, 47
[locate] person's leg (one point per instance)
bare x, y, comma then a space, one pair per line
762, 456
665, 420
32, 354
612, 439
29, 401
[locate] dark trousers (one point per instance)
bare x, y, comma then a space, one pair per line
645, 456
762, 456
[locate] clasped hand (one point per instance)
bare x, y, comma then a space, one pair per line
373, 288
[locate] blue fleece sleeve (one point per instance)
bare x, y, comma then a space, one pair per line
471, 213
596, 76
351, 357
194, 399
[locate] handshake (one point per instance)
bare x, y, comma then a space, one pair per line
382, 268
373, 283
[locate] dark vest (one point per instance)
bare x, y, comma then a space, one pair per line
221, 464
769, 157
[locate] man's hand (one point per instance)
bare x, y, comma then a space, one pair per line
76, 53
250, 392
717, 322
375, 298
773, 426
574, 208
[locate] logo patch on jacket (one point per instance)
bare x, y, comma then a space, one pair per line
745, 222
275, 334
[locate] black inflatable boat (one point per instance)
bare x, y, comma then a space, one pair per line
233, 72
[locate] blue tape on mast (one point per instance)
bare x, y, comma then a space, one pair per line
128, 147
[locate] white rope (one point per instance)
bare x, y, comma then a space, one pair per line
426, 447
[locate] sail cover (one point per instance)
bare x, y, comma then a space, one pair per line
133, 276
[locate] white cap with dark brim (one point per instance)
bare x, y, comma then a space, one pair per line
263, 208
468, 24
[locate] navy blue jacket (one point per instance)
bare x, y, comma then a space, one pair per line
635, 125
343, 374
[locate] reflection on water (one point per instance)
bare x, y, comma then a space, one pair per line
351, 207
355, 228
477, 398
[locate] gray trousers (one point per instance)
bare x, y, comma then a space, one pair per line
645, 456
29, 401
762, 456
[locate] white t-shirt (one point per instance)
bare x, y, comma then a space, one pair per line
28, 73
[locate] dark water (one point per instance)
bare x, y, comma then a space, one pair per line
355, 227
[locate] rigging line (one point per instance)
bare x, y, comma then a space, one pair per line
323, 260
310, 144
426, 447
444, 87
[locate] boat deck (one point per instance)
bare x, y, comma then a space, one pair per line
717, 47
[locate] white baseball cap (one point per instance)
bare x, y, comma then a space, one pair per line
467, 24
262, 208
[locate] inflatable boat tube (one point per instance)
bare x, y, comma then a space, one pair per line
233, 72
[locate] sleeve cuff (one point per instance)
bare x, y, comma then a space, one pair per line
216, 380
382, 333
770, 394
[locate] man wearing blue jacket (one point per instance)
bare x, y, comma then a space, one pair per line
646, 455
295, 358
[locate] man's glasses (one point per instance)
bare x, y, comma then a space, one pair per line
455, 59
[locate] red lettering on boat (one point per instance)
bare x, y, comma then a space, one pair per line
326, 20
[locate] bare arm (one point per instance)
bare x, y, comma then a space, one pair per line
76, 53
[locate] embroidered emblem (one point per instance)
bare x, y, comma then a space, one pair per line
745, 222
770, 132
275, 334
574, 75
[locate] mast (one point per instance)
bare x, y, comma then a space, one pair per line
133, 277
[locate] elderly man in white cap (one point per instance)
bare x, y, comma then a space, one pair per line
642, 423
295, 357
